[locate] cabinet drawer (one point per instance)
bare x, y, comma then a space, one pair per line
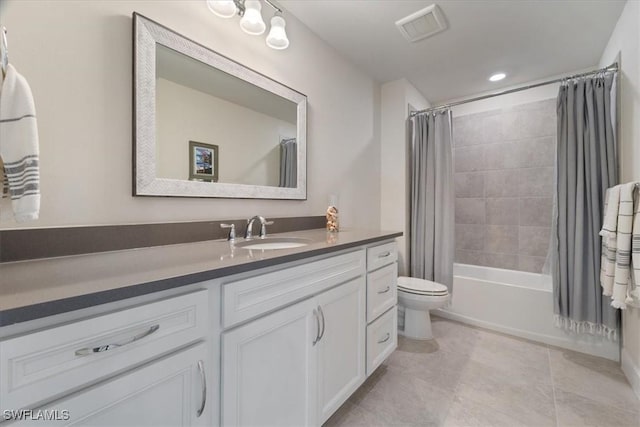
381, 291
42, 366
381, 255
382, 339
167, 392
248, 298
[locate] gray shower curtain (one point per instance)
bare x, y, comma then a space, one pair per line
288, 163
586, 167
432, 198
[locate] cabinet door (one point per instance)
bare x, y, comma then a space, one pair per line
168, 392
341, 350
269, 369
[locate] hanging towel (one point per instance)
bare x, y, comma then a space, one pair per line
633, 292
609, 235
19, 145
623, 246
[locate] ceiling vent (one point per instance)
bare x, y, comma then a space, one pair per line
422, 24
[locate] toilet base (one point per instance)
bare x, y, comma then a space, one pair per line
417, 324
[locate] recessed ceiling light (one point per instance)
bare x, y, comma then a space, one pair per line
497, 77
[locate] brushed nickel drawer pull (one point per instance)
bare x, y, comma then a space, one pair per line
315, 314
385, 339
102, 348
388, 288
323, 325
203, 376
384, 254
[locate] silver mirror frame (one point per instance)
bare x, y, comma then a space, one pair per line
147, 34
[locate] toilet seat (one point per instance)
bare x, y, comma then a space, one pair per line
424, 287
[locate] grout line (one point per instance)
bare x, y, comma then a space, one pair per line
553, 387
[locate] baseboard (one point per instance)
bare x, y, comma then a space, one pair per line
631, 371
608, 352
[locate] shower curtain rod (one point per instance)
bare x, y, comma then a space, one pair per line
612, 67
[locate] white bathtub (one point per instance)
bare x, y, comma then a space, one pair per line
516, 303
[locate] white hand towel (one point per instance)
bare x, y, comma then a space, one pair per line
633, 292
609, 234
611, 206
623, 246
19, 145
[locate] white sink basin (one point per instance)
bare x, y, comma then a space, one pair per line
270, 243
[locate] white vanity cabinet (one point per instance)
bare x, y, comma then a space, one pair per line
169, 392
341, 349
146, 365
282, 345
296, 366
382, 299
269, 369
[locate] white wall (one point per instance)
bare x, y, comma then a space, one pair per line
248, 141
397, 97
625, 41
76, 56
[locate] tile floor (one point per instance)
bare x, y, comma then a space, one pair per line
474, 377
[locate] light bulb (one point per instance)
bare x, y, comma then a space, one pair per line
277, 38
223, 8
251, 22
497, 77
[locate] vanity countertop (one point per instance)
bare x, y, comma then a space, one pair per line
44, 287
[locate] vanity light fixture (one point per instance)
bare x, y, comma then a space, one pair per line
497, 77
251, 21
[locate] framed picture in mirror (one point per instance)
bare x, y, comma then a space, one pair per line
203, 162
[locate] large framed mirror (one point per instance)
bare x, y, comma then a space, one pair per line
207, 126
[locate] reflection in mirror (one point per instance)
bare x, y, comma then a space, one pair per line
206, 126
254, 130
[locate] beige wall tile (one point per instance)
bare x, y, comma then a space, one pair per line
469, 257
536, 211
506, 261
532, 264
536, 182
470, 236
533, 241
501, 183
469, 159
469, 184
502, 211
470, 211
501, 239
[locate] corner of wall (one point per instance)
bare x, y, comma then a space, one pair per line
624, 44
396, 96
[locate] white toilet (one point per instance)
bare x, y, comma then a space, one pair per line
418, 296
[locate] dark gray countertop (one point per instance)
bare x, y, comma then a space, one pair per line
35, 289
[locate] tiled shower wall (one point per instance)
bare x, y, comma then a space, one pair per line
503, 183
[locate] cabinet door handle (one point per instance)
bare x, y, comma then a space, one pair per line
385, 339
387, 289
317, 338
106, 347
321, 314
203, 376
384, 254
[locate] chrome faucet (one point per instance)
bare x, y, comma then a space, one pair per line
263, 227
232, 231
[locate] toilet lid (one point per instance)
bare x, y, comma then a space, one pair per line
421, 286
